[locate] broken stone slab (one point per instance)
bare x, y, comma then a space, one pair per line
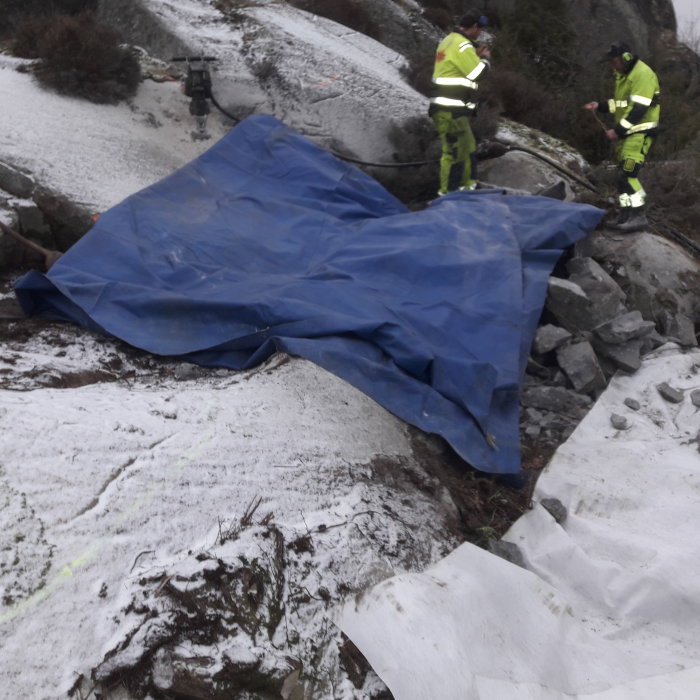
556, 398
569, 305
534, 422
610, 369
580, 364
677, 327
553, 422
15, 182
625, 356
581, 309
652, 341
549, 337
669, 393
623, 328
593, 279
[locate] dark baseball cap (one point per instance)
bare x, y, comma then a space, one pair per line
471, 18
619, 48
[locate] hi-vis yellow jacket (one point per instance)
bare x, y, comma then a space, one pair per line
636, 102
457, 70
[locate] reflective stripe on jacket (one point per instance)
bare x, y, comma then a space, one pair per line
636, 102
457, 71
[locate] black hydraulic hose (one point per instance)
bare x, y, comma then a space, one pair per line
534, 153
221, 109
413, 164
555, 165
420, 163
670, 230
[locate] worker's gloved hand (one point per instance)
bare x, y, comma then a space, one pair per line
593, 106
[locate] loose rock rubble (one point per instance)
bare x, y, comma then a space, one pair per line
612, 301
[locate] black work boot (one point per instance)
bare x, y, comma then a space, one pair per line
622, 216
630, 219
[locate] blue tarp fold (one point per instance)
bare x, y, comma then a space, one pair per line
268, 243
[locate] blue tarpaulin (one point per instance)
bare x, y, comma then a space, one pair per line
268, 243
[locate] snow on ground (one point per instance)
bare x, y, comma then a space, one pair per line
113, 470
149, 477
327, 81
112, 493
95, 155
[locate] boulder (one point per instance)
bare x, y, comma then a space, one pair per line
14, 181
656, 274
521, 171
626, 356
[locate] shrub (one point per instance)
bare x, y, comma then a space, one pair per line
26, 36
79, 57
672, 193
485, 121
547, 55
439, 17
680, 100
418, 72
14, 12
349, 13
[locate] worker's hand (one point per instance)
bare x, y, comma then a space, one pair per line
483, 51
592, 106
612, 134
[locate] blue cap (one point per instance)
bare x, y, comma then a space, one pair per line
471, 18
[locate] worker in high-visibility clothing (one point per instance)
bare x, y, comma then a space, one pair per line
459, 65
635, 107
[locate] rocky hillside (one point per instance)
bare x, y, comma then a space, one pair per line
612, 299
349, 92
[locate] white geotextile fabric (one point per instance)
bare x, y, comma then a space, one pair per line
609, 605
